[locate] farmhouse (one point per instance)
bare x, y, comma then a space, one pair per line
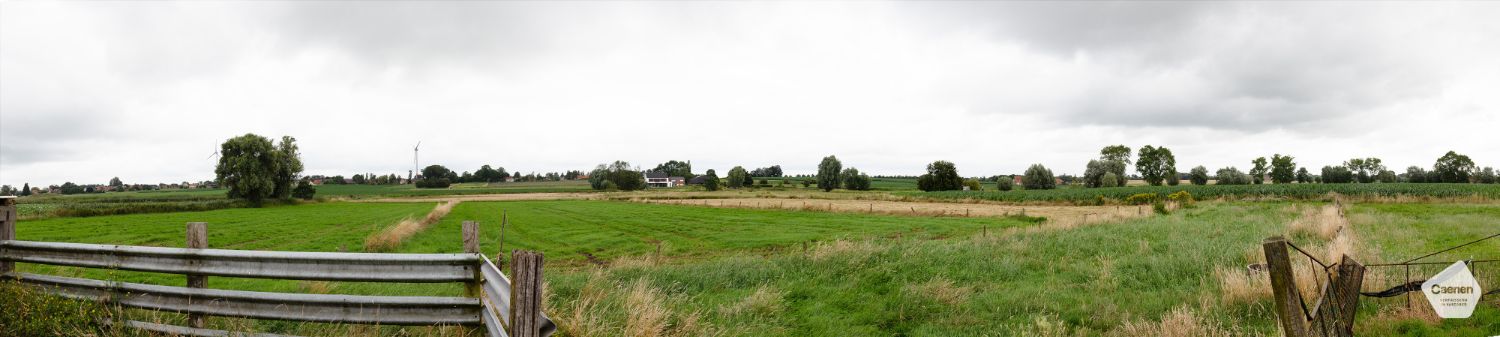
660, 179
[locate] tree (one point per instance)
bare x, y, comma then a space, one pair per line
358, 179
1386, 176
1109, 180
710, 180
774, 171
1038, 177
1337, 175
1155, 164
1231, 176
1453, 168
737, 177
1486, 176
675, 168
250, 167
1093, 174
305, 190
1258, 170
1119, 153
1302, 176
941, 175
1283, 169
618, 175
828, 173
435, 176
7, 190
1005, 183
71, 188
25, 189
289, 169
1198, 175
115, 182
854, 180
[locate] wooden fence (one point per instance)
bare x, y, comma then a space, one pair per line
1333, 309
490, 302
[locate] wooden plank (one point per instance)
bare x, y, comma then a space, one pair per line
525, 293
173, 330
1287, 299
197, 238
471, 246
368, 267
7, 228
353, 309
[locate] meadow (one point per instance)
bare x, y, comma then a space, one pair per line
742, 272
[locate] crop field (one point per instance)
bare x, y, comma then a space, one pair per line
362, 191
1268, 191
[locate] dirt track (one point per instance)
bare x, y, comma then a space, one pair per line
489, 197
1066, 213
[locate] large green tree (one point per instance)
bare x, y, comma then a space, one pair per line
1120, 153
1155, 164
941, 175
1038, 177
675, 168
854, 180
616, 176
738, 176
828, 173
1258, 171
1283, 169
711, 180
254, 169
1453, 168
1094, 173
1198, 175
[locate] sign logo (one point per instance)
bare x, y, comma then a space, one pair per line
1453, 292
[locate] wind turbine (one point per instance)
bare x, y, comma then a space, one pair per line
414, 151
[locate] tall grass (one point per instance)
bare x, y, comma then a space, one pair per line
391, 237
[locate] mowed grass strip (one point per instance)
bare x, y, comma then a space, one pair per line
566, 230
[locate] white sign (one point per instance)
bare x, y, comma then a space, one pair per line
1453, 292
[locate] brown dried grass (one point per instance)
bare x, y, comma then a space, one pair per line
393, 236
941, 290
1180, 322
1238, 285
764, 301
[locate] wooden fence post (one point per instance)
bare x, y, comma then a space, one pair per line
500, 255
525, 293
1288, 300
1335, 316
471, 245
7, 228
197, 238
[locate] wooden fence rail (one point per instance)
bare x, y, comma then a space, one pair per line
488, 301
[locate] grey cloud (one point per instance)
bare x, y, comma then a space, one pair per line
1254, 66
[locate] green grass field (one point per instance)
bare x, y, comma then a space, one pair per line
741, 272
361, 191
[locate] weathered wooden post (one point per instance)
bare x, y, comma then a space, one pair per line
1288, 300
471, 246
500, 255
1335, 316
525, 293
7, 228
197, 238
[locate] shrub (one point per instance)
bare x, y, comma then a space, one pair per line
941, 175
711, 181
972, 184
854, 180
1038, 177
1159, 207
828, 173
304, 190
1005, 183
1109, 180
618, 175
1093, 175
1140, 198
1199, 175
434, 183
1232, 176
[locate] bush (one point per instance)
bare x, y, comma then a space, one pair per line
941, 175
1159, 207
1140, 198
1109, 180
711, 181
1199, 175
828, 173
304, 190
618, 175
972, 184
1038, 177
434, 183
854, 180
1005, 183
1232, 176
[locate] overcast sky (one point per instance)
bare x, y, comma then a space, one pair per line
147, 90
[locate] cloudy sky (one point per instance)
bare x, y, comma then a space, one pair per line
146, 90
